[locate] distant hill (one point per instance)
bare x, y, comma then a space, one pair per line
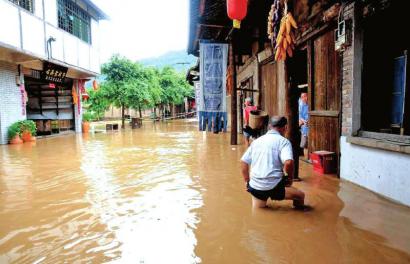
179, 60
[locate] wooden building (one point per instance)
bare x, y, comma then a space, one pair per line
356, 80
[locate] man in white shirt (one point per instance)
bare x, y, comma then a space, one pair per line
267, 167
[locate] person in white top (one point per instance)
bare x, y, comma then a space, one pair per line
267, 167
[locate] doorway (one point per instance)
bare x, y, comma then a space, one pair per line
50, 105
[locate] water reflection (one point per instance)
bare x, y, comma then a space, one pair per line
167, 193
118, 197
143, 195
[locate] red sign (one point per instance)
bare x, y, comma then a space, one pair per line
52, 85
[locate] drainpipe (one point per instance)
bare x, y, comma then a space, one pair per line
49, 47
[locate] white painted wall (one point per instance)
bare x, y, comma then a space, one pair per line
95, 34
38, 8
9, 24
70, 49
83, 55
67, 48
94, 60
33, 34
384, 172
51, 12
57, 46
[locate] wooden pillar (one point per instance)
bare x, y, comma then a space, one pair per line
293, 118
234, 113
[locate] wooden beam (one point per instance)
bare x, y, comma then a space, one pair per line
293, 118
301, 41
324, 113
247, 90
234, 113
211, 25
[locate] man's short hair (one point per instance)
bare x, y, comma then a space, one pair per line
278, 121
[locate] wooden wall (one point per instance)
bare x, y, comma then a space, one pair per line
326, 93
273, 88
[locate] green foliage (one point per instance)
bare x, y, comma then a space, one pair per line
87, 117
98, 102
28, 125
133, 85
14, 130
17, 128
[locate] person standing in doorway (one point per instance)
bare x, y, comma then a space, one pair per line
303, 123
246, 113
267, 167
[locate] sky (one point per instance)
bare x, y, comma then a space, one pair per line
141, 29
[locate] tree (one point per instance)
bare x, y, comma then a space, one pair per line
174, 87
121, 83
98, 102
131, 85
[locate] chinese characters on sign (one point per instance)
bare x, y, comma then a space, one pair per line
53, 73
213, 76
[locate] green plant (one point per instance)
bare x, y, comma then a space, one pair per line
87, 117
28, 125
14, 130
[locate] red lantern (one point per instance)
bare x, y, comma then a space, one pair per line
237, 11
95, 85
85, 96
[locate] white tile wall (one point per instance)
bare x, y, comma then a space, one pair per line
10, 99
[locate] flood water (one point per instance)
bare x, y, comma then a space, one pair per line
167, 193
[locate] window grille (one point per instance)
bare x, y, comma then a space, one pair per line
74, 20
26, 4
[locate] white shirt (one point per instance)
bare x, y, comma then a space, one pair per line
266, 156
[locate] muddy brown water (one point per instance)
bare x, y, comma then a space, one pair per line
167, 193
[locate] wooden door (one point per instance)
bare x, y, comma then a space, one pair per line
324, 94
269, 89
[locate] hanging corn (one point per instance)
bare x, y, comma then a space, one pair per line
281, 33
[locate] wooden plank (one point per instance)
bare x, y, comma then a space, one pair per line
320, 53
324, 133
291, 109
308, 36
212, 25
333, 77
324, 113
269, 89
309, 49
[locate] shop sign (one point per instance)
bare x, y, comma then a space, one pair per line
53, 73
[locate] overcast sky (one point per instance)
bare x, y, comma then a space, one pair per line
143, 28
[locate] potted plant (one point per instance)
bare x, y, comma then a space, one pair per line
14, 132
28, 130
87, 117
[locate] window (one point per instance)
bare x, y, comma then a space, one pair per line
74, 20
26, 4
385, 87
